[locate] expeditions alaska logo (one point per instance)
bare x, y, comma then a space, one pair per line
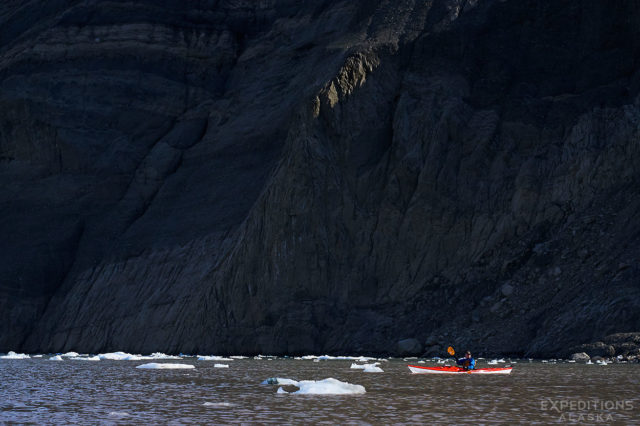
590, 410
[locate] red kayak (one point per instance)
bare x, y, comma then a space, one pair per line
416, 369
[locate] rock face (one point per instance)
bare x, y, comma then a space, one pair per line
319, 177
409, 347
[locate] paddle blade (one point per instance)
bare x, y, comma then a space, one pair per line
450, 351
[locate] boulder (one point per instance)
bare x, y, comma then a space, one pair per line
596, 349
409, 347
626, 349
580, 356
612, 339
507, 290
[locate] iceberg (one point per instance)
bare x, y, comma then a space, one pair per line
13, 355
154, 365
122, 356
328, 386
56, 358
372, 368
160, 355
86, 358
345, 358
238, 357
279, 381
219, 404
213, 358
70, 354
220, 366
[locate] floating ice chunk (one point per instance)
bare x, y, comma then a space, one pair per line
160, 355
155, 365
279, 381
13, 355
37, 356
328, 386
56, 358
493, 362
420, 362
344, 358
218, 404
70, 354
372, 368
307, 357
601, 362
86, 358
213, 358
220, 366
121, 356
118, 414
357, 366
238, 357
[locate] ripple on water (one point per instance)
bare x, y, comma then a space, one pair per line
36, 390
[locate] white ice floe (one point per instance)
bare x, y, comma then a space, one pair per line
118, 414
70, 354
56, 358
37, 356
307, 357
220, 366
588, 362
155, 365
13, 355
160, 355
213, 358
368, 368
601, 362
279, 381
85, 358
238, 357
122, 356
372, 368
493, 362
328, 386
218, 404
344, 358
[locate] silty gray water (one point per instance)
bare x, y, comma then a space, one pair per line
43, 391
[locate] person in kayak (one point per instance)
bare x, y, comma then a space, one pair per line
468, 363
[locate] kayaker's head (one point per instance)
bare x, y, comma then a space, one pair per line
467, 355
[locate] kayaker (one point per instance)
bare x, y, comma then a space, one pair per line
468, 363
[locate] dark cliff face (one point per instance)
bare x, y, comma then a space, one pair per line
289, 177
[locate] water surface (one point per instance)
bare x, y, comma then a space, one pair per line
42, 391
